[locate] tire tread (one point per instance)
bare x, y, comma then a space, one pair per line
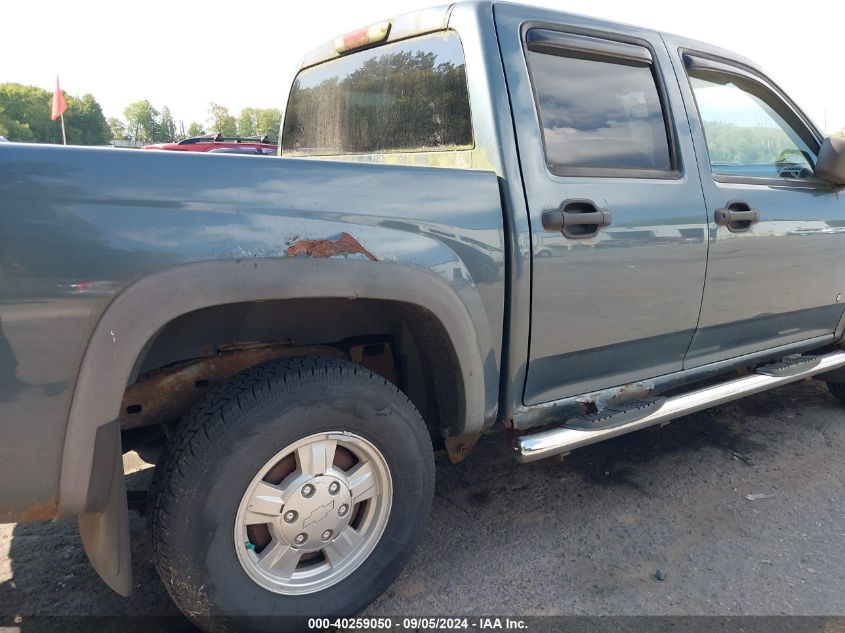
223, 408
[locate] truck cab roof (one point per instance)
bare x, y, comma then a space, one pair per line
437, 18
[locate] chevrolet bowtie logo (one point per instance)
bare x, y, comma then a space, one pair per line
319, 514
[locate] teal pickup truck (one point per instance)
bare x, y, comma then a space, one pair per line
484, 216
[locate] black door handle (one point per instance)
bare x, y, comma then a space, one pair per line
576, 219
737, 216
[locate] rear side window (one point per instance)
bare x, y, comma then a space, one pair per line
598, 110
408, 96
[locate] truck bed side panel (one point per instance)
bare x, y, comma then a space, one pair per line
77, 226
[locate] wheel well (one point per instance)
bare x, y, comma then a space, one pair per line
405, 343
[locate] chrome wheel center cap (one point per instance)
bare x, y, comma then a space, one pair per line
321, 507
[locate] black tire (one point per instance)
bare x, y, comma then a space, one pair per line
220, 446
837, 389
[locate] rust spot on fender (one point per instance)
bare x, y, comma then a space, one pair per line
346, 245
41, 511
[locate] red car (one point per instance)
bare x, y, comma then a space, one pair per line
213, 142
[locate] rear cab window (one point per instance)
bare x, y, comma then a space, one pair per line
401, 97
600, 107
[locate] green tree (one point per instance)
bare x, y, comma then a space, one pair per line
269, 121
248, 122
13, 130
26, 111
221, 121
26, 114
166, 127
259, 122
117, 128
85, 123
195, 129
141, 121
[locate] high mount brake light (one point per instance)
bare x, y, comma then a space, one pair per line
362, 37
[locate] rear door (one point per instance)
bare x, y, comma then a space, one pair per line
617, 215
775, 273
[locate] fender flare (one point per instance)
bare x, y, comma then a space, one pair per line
88, 477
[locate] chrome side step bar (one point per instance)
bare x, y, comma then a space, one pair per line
550, 442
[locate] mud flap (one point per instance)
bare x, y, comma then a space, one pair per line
104, 527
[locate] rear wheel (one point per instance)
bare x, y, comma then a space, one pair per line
296, 490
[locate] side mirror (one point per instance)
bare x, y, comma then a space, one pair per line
831, 163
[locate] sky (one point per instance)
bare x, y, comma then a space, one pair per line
186, 53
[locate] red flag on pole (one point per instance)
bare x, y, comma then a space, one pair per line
59, 105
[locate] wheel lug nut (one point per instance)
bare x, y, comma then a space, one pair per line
342, 510
307, 490
300, 538
334, 488
290, 516
327, 535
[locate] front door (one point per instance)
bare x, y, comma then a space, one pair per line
775, 272
617, 216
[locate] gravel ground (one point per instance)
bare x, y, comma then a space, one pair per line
737, 510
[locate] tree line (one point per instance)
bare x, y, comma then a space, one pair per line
747, 145
144, 122
25, 117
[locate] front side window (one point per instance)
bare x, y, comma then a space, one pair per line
599, 113
408, 96
745, 133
